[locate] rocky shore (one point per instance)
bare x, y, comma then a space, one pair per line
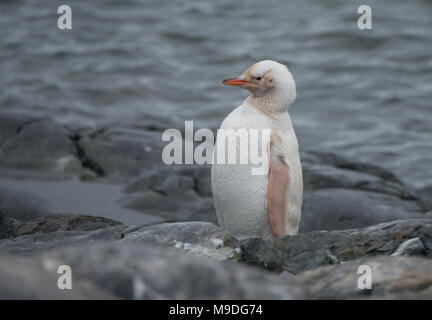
354, 214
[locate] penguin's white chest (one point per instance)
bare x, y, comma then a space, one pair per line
240, 197
240, 200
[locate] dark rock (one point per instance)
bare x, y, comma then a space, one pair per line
121, 153
30, 244
200, 238
51, 150
58, 231
22, 205
202, 179
36, 144
319, 176
337, 209
12, 123
7, 227
177, 193
142, 272
330, 159
65, 222
341, 193
310, 250
29, 279
426, 198
392, 278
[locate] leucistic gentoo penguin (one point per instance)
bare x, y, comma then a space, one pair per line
260, 205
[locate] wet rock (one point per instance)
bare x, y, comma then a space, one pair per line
28, 278
392, 278
313, 160
319, 176
59, 231
36, 144
65, 222
176, 193
30, 244
341, 193
22, 205
200, 238
338, 209
120, 153
7, 227
426, 198
12, 123
142, 272
47, 149
306, 251
410, 248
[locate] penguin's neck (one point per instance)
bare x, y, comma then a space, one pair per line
272, 104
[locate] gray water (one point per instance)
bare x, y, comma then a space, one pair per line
364, 93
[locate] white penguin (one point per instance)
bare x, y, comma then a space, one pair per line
266, 205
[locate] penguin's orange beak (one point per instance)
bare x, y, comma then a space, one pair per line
234, 82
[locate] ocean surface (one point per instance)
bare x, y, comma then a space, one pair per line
362, 93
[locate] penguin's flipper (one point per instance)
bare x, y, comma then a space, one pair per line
278, 184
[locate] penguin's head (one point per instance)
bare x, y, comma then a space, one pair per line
267, 78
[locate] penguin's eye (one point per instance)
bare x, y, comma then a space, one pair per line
258, 78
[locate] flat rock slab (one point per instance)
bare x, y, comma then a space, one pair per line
26, 278
26, 238
31, 244
141, 272
200, 238
128, 271
310, 250
64, 222
392, 278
